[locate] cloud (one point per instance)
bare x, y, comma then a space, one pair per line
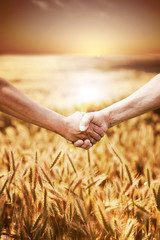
53, 4
41, 4
74, 5
60, 3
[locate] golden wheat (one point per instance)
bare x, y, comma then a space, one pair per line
49, 190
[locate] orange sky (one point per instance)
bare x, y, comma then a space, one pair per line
80, 26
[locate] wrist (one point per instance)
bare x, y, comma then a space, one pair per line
61, 125
53, 121
64, 128
106, 115
117, 113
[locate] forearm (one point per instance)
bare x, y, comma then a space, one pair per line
145, 99
17, 104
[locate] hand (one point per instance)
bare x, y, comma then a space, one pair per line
97, 118
86, 138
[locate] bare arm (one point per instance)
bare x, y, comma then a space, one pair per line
16, 103
145, 99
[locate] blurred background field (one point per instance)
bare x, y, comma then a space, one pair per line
52, 190
63, 81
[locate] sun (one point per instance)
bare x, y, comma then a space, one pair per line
89, 93
85, 86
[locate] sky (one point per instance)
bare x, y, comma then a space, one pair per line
92, 27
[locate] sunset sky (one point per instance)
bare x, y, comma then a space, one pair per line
80, 26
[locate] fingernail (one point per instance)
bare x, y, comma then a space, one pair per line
82, 128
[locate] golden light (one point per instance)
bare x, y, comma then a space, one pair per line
89, 93
85, 85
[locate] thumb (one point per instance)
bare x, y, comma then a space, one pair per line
86, 119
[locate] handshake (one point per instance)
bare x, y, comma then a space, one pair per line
85, 129
81, 129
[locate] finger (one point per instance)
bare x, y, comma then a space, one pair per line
78, 143
82, 136
87, 118
93, 141
94, 132
87, 144
98, 130
69, 141
93, 135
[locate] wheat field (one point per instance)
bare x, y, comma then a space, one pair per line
51, 190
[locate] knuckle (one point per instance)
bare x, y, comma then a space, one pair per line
89, 131
101, 131
83, 137
102, 134
98, 138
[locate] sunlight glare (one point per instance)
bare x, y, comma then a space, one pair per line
89, 93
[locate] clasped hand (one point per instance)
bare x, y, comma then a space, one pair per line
85, 129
